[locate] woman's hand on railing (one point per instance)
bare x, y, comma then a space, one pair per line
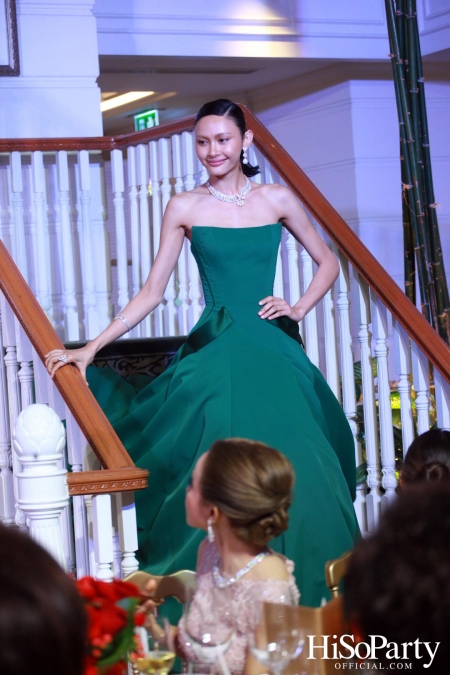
81, 358
275, 307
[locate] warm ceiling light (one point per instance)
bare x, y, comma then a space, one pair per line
123, 99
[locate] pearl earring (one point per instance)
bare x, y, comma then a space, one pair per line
244, 156
211, 535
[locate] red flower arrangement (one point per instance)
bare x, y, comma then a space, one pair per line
112, 617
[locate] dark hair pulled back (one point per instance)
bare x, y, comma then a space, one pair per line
223, 107
428, 458
251, 484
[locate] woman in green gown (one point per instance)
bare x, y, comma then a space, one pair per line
242, 371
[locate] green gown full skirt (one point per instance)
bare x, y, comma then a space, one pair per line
237, 376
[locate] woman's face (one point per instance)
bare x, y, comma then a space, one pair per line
218, 144
197, 511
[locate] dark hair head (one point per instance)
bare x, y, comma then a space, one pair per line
42, 617
428, 458
225, 108
398, 581
251, 484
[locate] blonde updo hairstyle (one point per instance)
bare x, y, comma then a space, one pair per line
251, 484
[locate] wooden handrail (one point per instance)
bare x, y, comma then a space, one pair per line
352, 247
74, 390
347, 241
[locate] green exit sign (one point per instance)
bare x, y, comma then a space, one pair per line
146, 120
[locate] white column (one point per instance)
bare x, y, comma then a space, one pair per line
158, 312
69, 301
119, 213
380, 329
103, 537
92, 326
19, 241
7, 508
310, 320
145, 252
170, 295
41, 240
39, 440
183, 295
403, 364
126, 516
442, 393
373, 498
134, 229
421, 379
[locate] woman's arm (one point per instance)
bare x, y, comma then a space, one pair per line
293, 216
151, 294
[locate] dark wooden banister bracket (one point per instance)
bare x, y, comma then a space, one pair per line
347, 241
74, 390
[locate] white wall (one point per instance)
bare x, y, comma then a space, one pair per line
346, 139
56, 93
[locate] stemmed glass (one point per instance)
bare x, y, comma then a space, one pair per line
157, 653
275, 638
208, 630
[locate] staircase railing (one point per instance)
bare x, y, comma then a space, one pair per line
92, 208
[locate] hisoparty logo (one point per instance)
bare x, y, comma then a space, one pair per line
331, 647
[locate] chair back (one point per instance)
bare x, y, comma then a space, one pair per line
180, 585
335, 571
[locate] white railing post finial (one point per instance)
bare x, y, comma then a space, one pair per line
39, 440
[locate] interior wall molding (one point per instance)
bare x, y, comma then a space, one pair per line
11, 66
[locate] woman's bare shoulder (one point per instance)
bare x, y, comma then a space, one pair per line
272, 567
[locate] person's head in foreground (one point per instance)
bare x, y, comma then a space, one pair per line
42, 617
427, 459
242, 487
398, 583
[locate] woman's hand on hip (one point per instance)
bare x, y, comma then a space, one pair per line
274, 307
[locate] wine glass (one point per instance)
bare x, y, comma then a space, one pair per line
207, 630
275, 638
157, 651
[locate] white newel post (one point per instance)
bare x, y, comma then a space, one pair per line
103, 537
39, 440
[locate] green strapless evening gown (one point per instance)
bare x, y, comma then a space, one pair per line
237, 375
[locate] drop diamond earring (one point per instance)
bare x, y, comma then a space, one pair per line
211, 535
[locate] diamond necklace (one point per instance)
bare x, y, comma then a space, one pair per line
219, 580
231, 199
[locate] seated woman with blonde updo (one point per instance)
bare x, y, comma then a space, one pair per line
240, 492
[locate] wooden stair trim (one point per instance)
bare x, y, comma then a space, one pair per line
107, 481
74, 390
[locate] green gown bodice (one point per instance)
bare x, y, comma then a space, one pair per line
238, 376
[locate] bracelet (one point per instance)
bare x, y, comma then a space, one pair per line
122, 318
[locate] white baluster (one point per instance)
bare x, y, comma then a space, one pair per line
421, 379
76, 445
403, 364
442, 394
41, 377
25, 358
69, 301
43, 267
380, 330
39, 440
103, 536
126, 516
373, 498
158, 313
92, 325
12, 379
134, 229
20, 249
310, 320
195, 294
145, 251
7, 499
183, 295
170, 295
121, 241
